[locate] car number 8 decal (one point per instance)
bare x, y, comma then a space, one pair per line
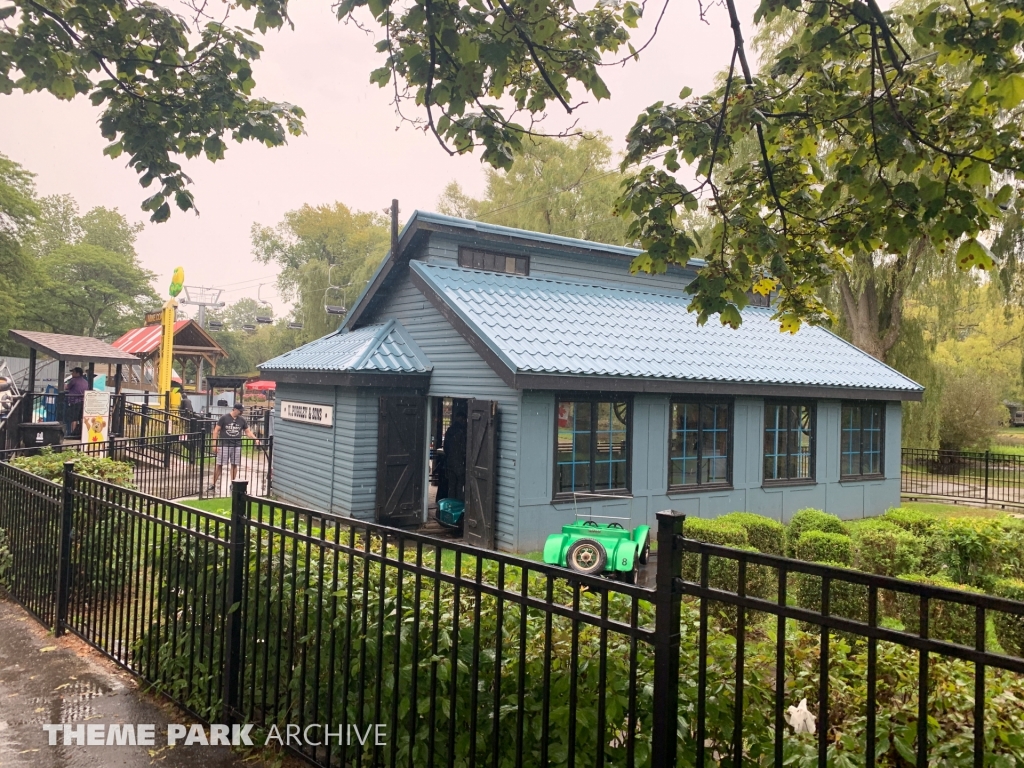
623, 561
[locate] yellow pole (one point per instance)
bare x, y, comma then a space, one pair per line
167, 346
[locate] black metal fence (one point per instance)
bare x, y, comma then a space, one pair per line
470, 657
177, 466
985, 478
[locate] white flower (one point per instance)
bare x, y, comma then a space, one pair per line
801, 718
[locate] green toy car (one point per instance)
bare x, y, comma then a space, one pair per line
593, 548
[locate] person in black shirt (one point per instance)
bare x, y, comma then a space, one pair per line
455, 455
229, 450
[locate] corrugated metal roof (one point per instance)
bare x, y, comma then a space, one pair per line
560, 327
142, 341
386, 348
62, 346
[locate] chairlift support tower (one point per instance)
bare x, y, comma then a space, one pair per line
202, 297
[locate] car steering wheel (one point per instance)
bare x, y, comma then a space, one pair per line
615, 525
591, 522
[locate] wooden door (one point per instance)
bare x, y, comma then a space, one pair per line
481, 472
400, 449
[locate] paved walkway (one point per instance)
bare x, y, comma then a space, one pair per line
48, 680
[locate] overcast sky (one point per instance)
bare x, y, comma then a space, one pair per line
355, 149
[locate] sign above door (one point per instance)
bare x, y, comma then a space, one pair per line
308, 413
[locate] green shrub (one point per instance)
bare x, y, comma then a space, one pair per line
913, 520
6, 558
49, 465
821, 547
1009, 549
810, 520
844, 598
723, 573
765, 535
1009, 628
949, 621
887, 550
967, 551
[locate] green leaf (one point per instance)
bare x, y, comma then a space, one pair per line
1003, 196
1010, 91
978, 174
973, 253
63, 88
685, 93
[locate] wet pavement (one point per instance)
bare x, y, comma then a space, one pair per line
48, 680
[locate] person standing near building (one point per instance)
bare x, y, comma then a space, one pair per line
229, 449
74, 397
455, 455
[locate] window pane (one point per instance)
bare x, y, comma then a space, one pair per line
872, 441
714, 442
684, 436
610, 449
522, 265
774, 434
800, 445
573, 446
849, 450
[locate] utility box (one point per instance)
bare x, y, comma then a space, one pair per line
42, 433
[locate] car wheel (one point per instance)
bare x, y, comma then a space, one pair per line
586, 556
645, 553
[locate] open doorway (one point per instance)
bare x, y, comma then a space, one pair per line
447, 459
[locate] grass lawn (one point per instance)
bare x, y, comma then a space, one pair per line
221, 506
952, 510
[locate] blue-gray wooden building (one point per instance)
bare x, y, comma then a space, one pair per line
587, 389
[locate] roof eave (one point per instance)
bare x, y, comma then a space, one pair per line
641, 385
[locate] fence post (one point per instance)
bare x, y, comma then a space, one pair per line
233, 622
64, 555
987, 454
270, 463
201, 438
667, 617
110, 447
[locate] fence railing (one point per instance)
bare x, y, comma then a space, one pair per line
179, 465
985, 478
470, 657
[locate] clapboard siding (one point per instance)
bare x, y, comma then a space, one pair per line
461, 373
364, 465
590, 268
304, 454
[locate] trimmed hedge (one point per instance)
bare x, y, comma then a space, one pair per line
887, 550
844, 598
724, 573
810, 520
822, 547
765, 535
949, 621
1009, 628
913, 520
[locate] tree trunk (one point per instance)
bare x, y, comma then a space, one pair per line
873, 307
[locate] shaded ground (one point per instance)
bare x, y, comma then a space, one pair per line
48, 680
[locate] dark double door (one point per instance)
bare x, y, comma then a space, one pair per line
401, 453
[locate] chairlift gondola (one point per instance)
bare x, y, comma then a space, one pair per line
335, 309
214, 325
249, 327
264, 319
